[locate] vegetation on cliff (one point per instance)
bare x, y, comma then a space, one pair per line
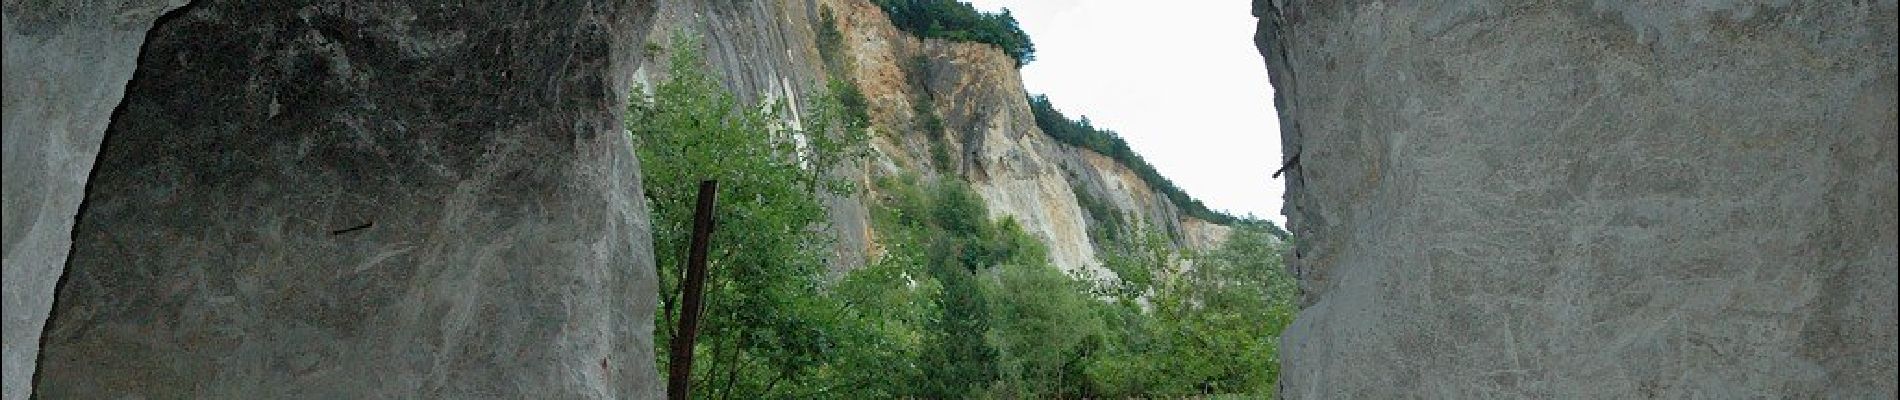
958, 21
955, 305
1081, 133
986, 315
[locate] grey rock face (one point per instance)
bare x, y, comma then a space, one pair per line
366, 200
1125, 193
996, 146
1554, 200
66, 65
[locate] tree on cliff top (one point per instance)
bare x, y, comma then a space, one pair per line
1081, 133
959, 21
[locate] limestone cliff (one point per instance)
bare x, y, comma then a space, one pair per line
769, 50
325, 200
1588, 199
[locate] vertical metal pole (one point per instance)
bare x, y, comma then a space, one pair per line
680, 369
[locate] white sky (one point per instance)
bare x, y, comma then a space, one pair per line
1179, 80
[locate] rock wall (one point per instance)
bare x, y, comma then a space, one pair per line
362, 200
991, 138
1025, 174
1588, 200
1124, 191
997, 147
65, 68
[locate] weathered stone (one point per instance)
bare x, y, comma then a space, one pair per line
1589, 200
1124, 192
991, 138
66, 64
995, 144
1025, 174
366, 200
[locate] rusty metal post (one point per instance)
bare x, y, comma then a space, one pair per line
680, 369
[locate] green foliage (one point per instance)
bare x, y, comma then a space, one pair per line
768, 329
957, 240
831, 42
893, 301
1045, 331
999, 321
924, 107
992, 301
960, 305
1136, 260
1106, 223
958, 21
1212, 329
850, 103
1106, 142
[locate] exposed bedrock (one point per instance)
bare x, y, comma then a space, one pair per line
66, 65
362, 200
1589, 199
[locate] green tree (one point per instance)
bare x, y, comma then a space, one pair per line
1211, 328
959, 362
892, 301
959, 21
944, 230
767, 325
1045, 330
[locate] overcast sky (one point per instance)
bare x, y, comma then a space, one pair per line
1179, 80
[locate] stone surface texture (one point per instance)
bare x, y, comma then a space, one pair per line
364, 200
1500, 199
1124, 191
991, 138
996, 145
66, 66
